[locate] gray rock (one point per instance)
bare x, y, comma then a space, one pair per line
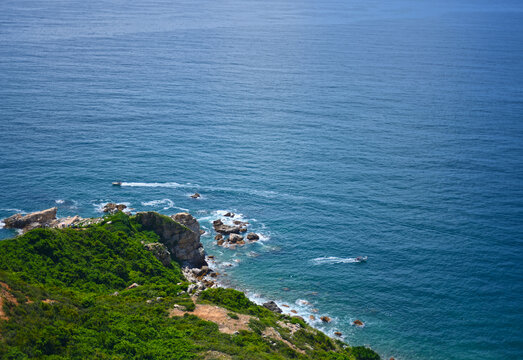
221, 228
271, 305
32, 220
235, 238
253, 236
160, 252
114, 208
180, 233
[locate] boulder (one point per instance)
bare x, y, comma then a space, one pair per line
32, 220
132, 286
218, 237
312, 317
337, 333
272, 306
294, 311
235, 238
229, 214
253, 236
200, 271
113, 208
179, 233
160, 252
325, 319
221, 228
195, 195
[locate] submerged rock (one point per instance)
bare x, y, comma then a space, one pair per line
195, 195
272, 306
32, 220
325, 319
337, 333
180, 233
358, 323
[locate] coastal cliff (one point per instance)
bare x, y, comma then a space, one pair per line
136, 287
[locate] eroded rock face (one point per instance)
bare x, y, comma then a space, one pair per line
32, 220
160, 252
180, 233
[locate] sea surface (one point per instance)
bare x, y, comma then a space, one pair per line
387, 129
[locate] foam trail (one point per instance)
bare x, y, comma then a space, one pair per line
59, 201
156, 184
333, 260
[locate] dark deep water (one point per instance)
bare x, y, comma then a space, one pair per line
387, 129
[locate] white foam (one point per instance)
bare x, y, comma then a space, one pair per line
303, 302
333, 260
59, 201
167, 204
2, 224
15, 210
156, 184
100, 207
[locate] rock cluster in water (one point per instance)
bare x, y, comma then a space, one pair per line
112, 208
233, 232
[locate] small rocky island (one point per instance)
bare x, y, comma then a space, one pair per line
143, 279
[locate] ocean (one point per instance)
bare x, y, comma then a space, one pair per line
386, 129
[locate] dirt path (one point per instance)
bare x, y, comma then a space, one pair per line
218, 316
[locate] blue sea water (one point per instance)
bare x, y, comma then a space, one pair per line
391, 129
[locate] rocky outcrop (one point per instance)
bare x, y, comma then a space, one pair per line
325, 319
30, 221
180, 233
235, 238
160, 252
272, 306
221, 228
112, 208
253, 236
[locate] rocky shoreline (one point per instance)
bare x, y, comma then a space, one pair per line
179, 236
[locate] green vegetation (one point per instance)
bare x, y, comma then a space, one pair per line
64, 293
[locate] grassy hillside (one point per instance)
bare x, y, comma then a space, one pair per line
64, 296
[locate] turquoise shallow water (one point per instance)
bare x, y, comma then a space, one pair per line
338, 129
